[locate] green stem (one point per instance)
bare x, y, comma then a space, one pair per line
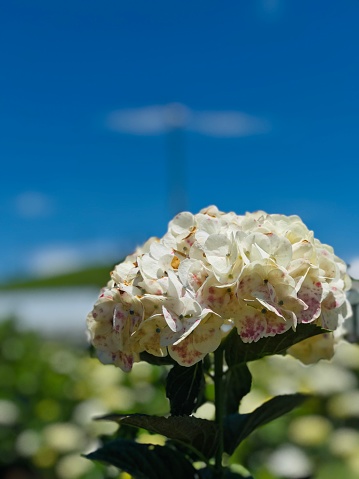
219, 405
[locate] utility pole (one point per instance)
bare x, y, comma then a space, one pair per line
176, 116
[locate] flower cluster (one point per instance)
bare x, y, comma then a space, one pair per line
211, 272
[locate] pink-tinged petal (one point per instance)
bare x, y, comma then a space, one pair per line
219, 299
252, 325
124, 361
121, 325
292, 306
335, 309
119, 359
127, 316
334, 295
276, 325
311, 293
185, 354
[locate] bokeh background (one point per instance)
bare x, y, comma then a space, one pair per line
116, 115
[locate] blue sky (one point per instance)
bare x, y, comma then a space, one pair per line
267, 93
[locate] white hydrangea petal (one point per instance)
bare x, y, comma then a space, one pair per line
174, 323
167, 263
298, 269
148, 336
157, 250
311, 350
190, 307
207, 225
153, 286
207, 337
211, 210
126, 271
184, 269
182, 224
149, 267
175, 287
303, 249
327, 263
169, 241
220, 251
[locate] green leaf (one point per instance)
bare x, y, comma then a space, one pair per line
200, 434
238, 384
144, 461
239, 352
238, 426
238, 377
185, 388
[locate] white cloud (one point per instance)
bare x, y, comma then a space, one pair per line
227, 124
33, 204
354, 268
148, 120
62, 258
157, 119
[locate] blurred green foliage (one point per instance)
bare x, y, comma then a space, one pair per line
50, 393
94, 276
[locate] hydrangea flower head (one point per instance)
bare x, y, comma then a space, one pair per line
212, 272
